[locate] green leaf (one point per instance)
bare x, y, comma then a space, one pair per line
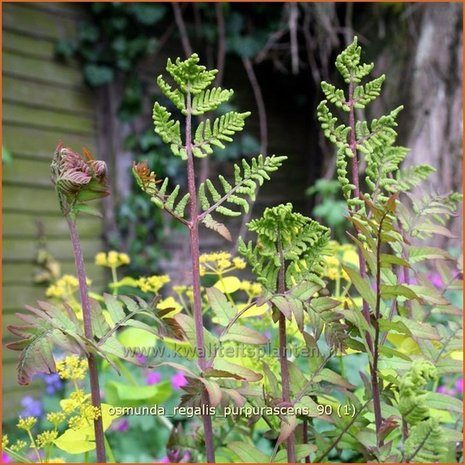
248, 453
125, 395
362, 285
394, 291
301, 451
244, 373
444, 402
246, 335
115, 307
223, 309
332, 377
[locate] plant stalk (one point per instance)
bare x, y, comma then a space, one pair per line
363, 271
195, 254
291, 457
86, 315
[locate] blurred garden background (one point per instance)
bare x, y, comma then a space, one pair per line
85, 74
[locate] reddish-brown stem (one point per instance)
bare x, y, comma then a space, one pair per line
305, 437
195, 254
86, 316
373, 346
291, 457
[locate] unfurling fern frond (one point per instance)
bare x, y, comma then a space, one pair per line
168, 130
348, 63
189, 75
246, 180
222, 129
426, 443
158, 195
301, 241
210, 99
412, 394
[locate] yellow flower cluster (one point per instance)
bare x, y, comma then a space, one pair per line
152, 283
342, 254
45, 438
27, 423
251, 289
112, 259
72, 367
219, 263
5, 441
56, 418
18, 446
65, 287
187, 290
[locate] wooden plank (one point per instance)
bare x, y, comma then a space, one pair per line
42, 143
27, 171
24, 249
28, 20
22, 273
25, 225
35, 94
23, 115
41, 70
72, 10
15, 297
30, 199
15, 42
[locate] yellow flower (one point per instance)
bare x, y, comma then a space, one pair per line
18, 446
112, 259
5, 441
72, 367
152, 283
55, 418
76, 422
46, 438
101, 259
351, 257
239, 263
26, 423
56, 460
89, 412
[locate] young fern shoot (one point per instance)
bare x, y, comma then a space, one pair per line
76, 181
194, 96
384, 223
287, 260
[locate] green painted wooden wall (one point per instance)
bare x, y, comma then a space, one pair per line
44, 101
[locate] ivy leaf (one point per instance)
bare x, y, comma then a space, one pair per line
98, 75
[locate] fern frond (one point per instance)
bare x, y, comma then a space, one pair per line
168, 130
335, 96
348, 63
220, 228
302, 241
210, 99
364, 94
409, 178
175, 95
222, 129
246, 180
189, 75
426, 443
336, 134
